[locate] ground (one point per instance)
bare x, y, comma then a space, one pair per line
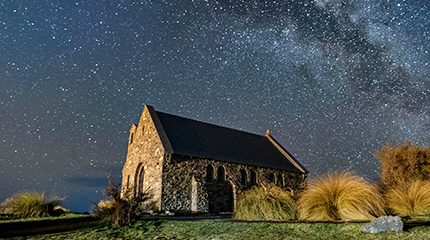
226, 229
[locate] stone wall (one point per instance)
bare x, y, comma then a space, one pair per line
218, 195
145, 150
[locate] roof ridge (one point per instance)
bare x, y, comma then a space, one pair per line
230, 128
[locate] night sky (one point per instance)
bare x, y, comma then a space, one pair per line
334, 80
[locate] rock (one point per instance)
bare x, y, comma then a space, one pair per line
168, 213
384, 223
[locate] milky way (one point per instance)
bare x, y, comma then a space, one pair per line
333, 80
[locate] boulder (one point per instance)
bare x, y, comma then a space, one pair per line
384, 223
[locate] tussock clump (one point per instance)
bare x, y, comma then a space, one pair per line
340, 196
31, 205
267, 203
409, 198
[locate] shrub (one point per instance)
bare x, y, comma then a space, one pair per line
31, 204
409, 198
340, 196
265, 203
403, 163
117, 210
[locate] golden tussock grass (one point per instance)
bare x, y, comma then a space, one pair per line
409, 198
265, 203
340, 196
30, 204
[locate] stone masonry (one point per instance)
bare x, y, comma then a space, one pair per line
145, 151
219, 195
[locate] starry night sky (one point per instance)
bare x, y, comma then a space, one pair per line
333, 80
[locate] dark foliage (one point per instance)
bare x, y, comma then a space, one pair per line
403, 163
121, 210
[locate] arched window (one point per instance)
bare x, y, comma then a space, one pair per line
243, 177
209, 174
280, 181
253, 178
272, 178
221, 174
141, 178
131, 138
128, 182
138, 179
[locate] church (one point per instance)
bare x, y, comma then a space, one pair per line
192, 166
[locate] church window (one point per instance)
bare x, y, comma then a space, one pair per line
272, 178
221, 174
141, 178
209, 173
128, 181
138, 179
243, 177
253, 178
280, 181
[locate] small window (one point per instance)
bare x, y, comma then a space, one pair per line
253, 178
243, 177
221, 174
209, 174
280, 181
272, 178
128, 181
141, 178
131, 138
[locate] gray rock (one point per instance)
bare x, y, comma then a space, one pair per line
384, 223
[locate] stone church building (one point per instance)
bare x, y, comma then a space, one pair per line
192, 166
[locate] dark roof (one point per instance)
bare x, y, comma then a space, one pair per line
198, 139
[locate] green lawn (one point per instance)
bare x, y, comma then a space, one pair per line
234, 230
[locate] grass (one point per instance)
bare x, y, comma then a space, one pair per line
62, 216
31, 205
339, 196
233, 230
410, 198
265, 203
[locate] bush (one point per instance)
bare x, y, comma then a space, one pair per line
409, 198
30, 205
403, 163
340, 196
265, 203
117, 210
